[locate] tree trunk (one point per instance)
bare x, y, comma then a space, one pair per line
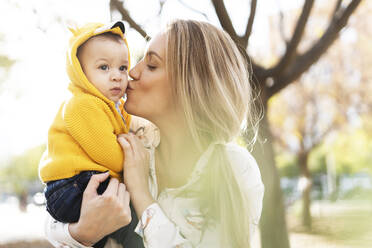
22, 201
273, 223
306, 186
331, 178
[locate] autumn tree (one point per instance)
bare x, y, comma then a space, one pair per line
289, 65
327, 99
300, 119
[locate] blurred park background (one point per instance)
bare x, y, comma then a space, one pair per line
311, 64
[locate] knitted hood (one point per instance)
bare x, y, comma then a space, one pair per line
79, 82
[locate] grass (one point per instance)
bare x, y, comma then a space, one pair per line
343, 224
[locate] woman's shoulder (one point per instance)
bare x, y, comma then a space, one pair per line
244, 165
145, 129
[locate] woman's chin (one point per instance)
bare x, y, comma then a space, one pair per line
129, 108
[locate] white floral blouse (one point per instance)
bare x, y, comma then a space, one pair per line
175, 220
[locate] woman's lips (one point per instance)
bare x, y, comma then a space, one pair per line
129, 87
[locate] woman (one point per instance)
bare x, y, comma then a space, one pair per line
202, 191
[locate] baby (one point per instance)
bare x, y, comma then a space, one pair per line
82, 140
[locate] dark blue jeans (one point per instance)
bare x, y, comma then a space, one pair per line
63, 202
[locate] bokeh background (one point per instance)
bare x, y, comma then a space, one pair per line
311, 64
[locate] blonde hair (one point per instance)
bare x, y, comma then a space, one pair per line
212, 85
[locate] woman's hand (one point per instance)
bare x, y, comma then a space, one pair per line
136, 171
101, 214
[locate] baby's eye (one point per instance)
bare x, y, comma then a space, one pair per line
123, 68
103, 67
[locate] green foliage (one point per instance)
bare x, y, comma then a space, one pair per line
6, 62
352, 151
287, 165
317, 160
21, 170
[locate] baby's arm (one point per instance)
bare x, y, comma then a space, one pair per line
87, 120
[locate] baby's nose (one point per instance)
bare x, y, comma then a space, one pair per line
116, 76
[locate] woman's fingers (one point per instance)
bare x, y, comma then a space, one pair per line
106, 213
138, 151
122, 140
121, 191
136, 143
95, 180
112, 188
123, 194
132, 147
126, 146
136, 163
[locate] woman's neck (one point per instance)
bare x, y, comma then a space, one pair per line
177, 148
176, 142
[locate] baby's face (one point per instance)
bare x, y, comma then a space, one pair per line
105, 64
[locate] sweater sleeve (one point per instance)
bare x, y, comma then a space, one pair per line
58, 235
89, 124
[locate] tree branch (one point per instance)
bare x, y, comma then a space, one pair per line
304, 61
280, 140
337, 7
193, 9
248, 29
117, 4
161, 3
224, 18
331, 127
281, 27
291, 48
259, 73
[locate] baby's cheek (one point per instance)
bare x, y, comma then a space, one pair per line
125, 82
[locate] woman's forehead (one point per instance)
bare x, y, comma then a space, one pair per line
157, 45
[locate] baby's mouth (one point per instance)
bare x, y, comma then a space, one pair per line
115, 90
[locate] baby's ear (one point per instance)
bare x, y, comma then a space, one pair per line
72, 26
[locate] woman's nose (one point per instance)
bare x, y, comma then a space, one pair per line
134, 72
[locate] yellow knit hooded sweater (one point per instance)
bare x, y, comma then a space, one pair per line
84, 133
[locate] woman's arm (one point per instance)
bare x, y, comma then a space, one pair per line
100, 215
154, 226
136, 171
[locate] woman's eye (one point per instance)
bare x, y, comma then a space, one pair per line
151, 68
103, 67
123, 68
